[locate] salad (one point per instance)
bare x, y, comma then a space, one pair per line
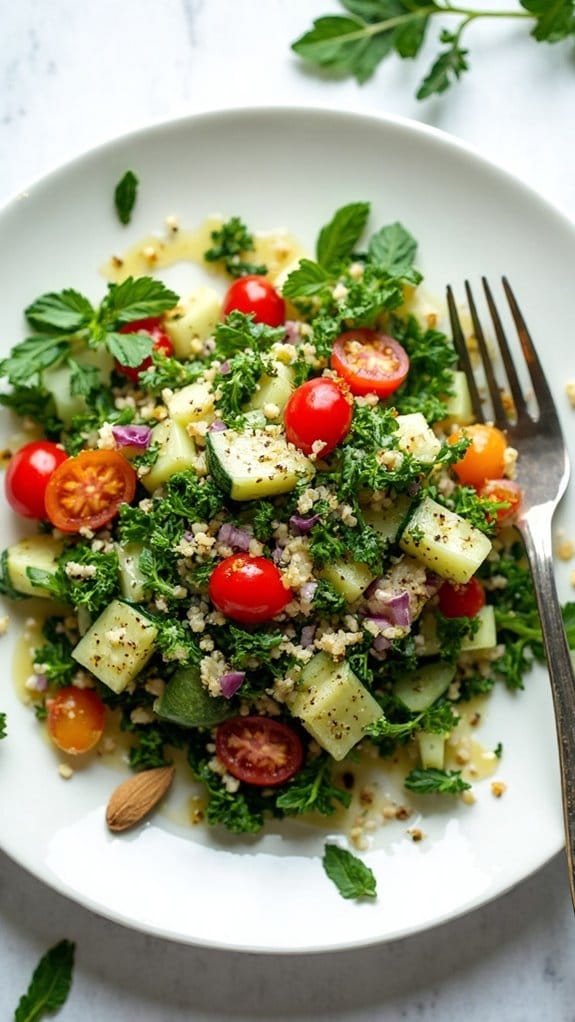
270, 534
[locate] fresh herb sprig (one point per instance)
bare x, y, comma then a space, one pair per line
372, 30
431, 781
350, 875
125, 194
231, 243
50, 984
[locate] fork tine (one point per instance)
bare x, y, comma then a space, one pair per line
513, 379
463, 354
540, 386
499, 413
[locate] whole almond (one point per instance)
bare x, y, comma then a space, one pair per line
136, 797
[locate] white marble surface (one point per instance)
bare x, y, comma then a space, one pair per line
73, 75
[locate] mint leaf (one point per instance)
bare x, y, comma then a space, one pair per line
2, 725
50, 984
430, 781
555, 19
84, 379
129, 349
350, 875
338, 238
308, 280
448, 67
393, 248
135, 298
125, 196
63, 313
30, 357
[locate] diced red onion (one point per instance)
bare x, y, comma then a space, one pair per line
132, 436
307, 635
277, 553
37, 683
381, 622
381, 643
292, 331
304, 524
238, 539
225, 368
217, 426
231, 682
307, 591
395, 606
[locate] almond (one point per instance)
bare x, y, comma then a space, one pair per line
136, 797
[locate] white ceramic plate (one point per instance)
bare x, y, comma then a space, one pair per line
292, 169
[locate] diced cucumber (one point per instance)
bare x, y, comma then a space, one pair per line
428, 644
117, 646
419, 689
333, 705
274, 390
458, 404
177, 452
255, 464
485, 637
350, 578
417, 438
194, 403
187, 702
431, 750
388, 520
444, 542
132, 582
57, 380
196, 320
40, 552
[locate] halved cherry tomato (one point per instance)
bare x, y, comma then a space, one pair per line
369, 362
503, 491
86, 491
248, 589
484, 458
461, 599
27, 477
76, 718
162, 343
320, 409
257, 295
259, 750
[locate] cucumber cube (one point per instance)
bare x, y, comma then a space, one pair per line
333, 705
132, 582
177, 452
350, 578
431, 750
458, 404
485, 637
417, 438
420, 689
185, 701
274, 390
444, 542
194, 403
40, 552
117, 646
388, 520
197, 321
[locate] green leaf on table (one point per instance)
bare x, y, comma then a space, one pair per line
50, 984
125, 195
350, 875
64, 312
393, 248
338, 238
432, 781
555, 19
448, 67
135, 298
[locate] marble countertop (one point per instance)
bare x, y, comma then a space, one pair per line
73, 75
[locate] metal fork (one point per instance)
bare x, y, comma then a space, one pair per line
542, 473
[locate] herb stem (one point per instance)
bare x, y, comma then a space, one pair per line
423, 12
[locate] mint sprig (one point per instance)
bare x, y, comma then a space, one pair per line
50, 984
350, 875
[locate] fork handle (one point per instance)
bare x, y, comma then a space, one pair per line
536, 532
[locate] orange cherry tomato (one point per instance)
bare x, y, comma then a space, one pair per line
86, 491
503, 491
461, 599
369, 362
484, 458
76, 718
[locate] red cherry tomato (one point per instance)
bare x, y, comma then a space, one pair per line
257, 295
248, 589
76, 718
320, 409
27, 477
86, 491
503, 491
369, 362
259, 750
484, 458
461, 599
162, 343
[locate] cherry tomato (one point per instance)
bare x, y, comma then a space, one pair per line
257, 295
259, 750
503, 491
320, 409
76, 719
369, 362
162, 343
27, 477
248, 589
86, 491
485, 456
461, 599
